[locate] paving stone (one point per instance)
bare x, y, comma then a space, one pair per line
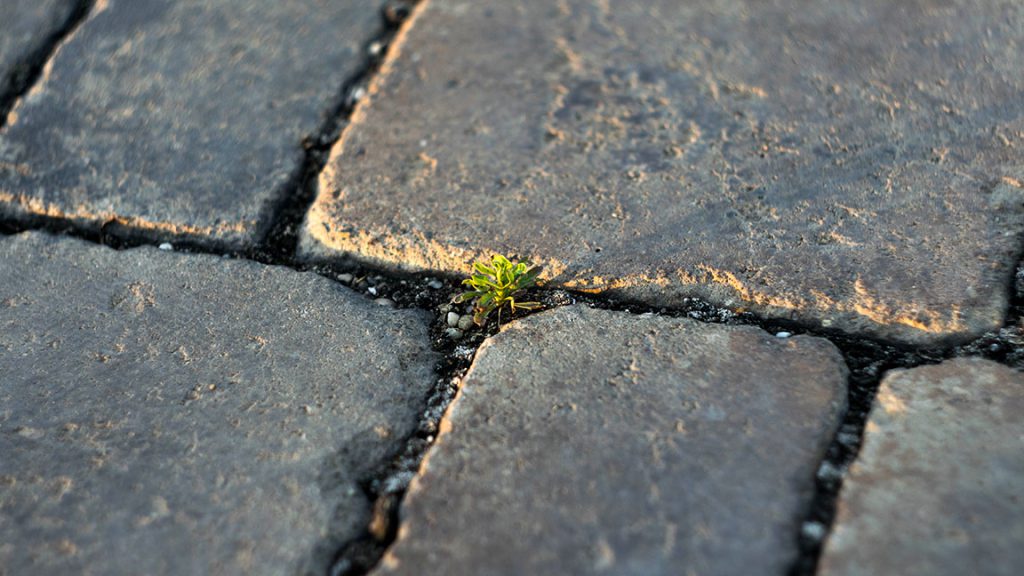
164, 413
25, 27
851, 164
587, 441
180, 119
938, 487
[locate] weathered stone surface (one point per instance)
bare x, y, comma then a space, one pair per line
25, 26
855, 164
172, 414
180, 119
588, 441
938, 487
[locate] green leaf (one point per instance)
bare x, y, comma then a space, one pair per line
465, 296
495, 285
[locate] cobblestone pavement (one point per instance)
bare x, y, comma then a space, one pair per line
781, 328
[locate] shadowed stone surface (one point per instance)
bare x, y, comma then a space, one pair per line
853, 164
588, 441
938, 488
184, 414
25, 26
180, 119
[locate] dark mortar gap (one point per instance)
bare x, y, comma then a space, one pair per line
55, 226
387, 486
27, 71
1005, 346
282, 238
867, 362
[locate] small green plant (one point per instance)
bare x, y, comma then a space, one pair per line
497, 285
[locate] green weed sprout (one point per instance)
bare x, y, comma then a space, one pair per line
497, 285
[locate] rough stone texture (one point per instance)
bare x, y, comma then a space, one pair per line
180, 119
938, 487
186, 414
588, 441
25, 26
854, 164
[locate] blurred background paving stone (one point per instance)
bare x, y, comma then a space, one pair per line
852, 164
181, 119
185, 414
587, 441
938, 488
25, 27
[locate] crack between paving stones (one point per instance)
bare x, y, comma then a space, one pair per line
285, 217
27, 72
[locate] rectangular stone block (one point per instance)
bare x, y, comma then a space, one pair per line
938, 488
597, 442
177, 414
851, 164
181, 120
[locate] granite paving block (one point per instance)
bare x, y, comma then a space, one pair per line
163, 413
181, 119
591, 442
848, 164
26, 26
938, 487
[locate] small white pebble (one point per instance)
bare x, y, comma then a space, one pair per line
345, 278
166, 246
423, 143
372, 290
454, 333
435, 284
829, 473
847, 439
783, 334
813, 530
385, 302
452, 319
375, 48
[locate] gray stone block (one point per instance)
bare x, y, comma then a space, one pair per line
164, 413
181, 119
590, 442
847, 164
938, 488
